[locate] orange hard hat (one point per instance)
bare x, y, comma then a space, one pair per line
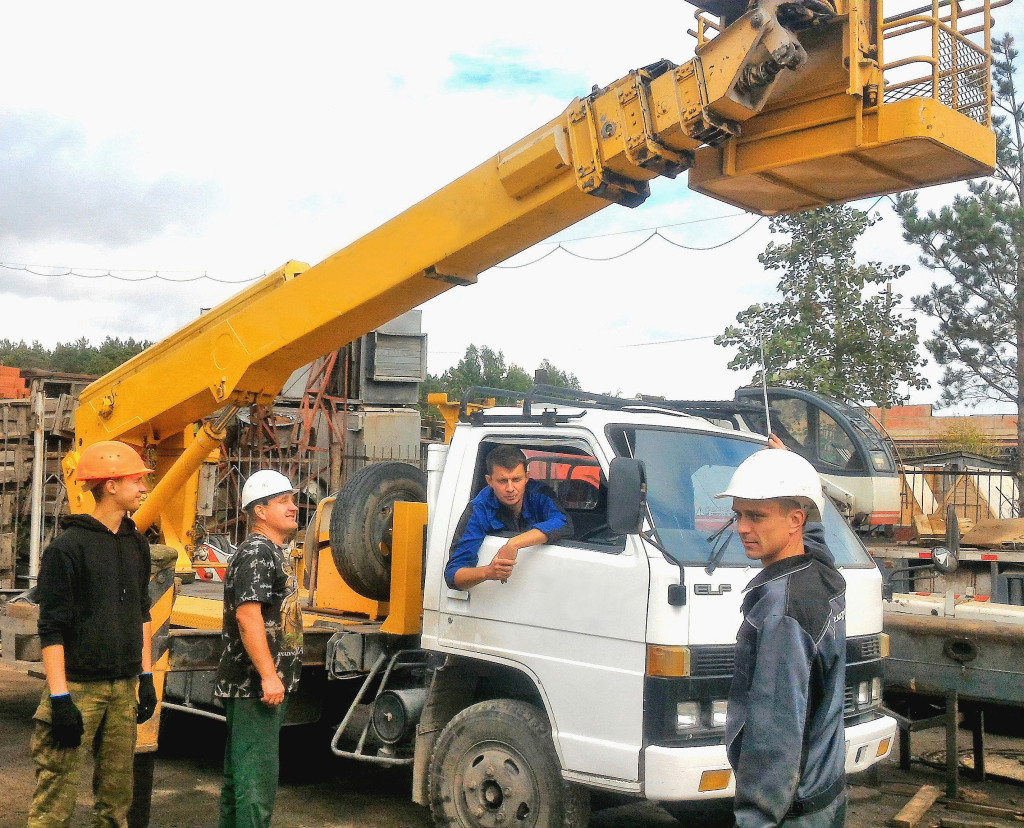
109, 458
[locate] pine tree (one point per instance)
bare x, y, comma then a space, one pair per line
978, 242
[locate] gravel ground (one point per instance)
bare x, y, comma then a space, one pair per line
320, 790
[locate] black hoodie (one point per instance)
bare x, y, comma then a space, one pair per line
93, 594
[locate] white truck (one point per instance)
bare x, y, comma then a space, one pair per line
602, 664
619, 639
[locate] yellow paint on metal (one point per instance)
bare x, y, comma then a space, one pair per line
197, 613
185, 466
848, 125
406, 614
450, 411
161, 593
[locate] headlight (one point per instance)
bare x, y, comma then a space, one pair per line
876, 689
687, 716
719, 711
863, 693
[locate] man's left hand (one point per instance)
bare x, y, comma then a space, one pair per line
147, 698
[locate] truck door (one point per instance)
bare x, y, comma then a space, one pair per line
573, 614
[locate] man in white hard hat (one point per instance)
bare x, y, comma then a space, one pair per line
784, 729
262, 659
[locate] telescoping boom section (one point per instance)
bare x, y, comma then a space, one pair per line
785, 106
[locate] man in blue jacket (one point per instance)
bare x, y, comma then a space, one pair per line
511, 502
784, 729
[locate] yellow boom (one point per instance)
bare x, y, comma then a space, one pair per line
786, 106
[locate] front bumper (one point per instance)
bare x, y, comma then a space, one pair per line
672, 774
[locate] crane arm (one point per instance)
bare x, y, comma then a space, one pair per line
781, 98
604, 148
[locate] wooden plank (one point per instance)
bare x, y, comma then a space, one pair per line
984, 810
15, 473
911, 813
993, 532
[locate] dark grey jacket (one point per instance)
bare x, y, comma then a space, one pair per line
784, 731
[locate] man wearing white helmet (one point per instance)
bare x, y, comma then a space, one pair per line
262, 657
784, 729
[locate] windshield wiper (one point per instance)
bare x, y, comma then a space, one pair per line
719, 541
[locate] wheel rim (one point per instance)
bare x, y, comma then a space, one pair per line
496, 787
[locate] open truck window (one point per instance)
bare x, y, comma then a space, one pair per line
574, 474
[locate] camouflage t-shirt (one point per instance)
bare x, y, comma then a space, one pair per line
260, 571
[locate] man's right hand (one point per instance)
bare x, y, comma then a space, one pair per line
273, 691
500, 568
65, 722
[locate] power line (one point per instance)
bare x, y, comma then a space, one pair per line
100, 273
111, 273
655, 233
162, 275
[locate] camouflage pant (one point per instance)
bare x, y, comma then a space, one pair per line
108, 711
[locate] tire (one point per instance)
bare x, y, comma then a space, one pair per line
495, 765
362, 520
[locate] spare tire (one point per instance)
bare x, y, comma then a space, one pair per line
362, 521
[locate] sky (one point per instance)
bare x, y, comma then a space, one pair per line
156, 158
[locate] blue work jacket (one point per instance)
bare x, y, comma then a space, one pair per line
485, 514
784, 729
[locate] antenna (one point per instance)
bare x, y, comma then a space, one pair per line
764, 388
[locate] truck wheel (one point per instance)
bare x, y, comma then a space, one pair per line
362, 521
495, 765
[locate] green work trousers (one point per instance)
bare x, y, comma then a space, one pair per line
108, 711
250, 763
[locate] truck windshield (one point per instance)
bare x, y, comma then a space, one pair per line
685, 470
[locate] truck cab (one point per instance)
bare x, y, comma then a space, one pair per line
625, 640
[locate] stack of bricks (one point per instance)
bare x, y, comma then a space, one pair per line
12, 386
17, 446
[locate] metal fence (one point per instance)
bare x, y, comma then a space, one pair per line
315, 476
975, 493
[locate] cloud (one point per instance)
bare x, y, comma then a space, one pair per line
57, 187
511, 69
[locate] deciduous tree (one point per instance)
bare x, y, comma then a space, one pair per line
834, 329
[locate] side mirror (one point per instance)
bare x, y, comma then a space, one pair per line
944, 560
627, 493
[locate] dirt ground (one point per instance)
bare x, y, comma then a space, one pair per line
319, 790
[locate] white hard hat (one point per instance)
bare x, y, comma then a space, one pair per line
772, 473
264, 484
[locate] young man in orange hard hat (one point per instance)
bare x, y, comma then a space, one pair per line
94, 627
262, 658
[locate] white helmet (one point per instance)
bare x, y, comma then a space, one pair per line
264, 484
772, 473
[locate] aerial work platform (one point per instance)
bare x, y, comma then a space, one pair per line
895, 103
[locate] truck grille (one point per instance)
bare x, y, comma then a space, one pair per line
713, 660
863, 648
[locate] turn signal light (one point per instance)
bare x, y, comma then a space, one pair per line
665, 660
883, 645
717, 780
883, 748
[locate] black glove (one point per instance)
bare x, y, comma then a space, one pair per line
147, 697
65, 722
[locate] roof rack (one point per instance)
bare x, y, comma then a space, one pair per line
557, 395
